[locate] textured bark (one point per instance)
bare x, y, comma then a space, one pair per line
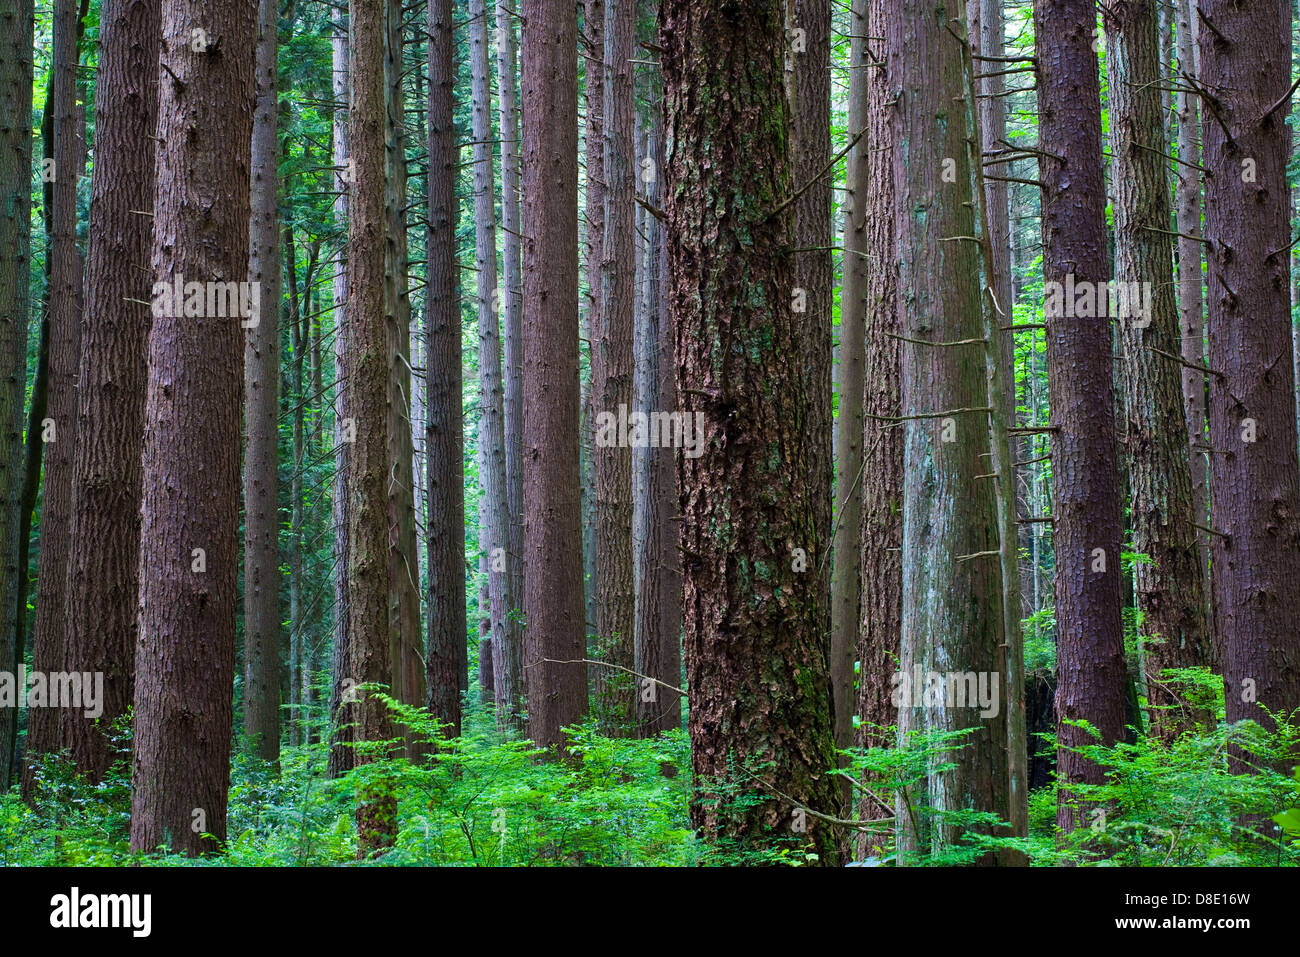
747, 505
1255, 485
1081, 395
368, 381
593, 30
59, 428
297, 403
493, 515
261, 417
512, 298
658, 575
446, 652
880, 634
16, 36
850, 470
185, 658
999, 369
814, 272
612, 365
341, 757
952, 603
405, 635
553, 601
1171, 586
1187, 199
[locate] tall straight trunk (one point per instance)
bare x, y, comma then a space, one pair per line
493, 507
1255, 479
850, 470
553, 597
592, 52
16, 37
952, 601
1001, 389
185, 658
368, 391
1081, 394
405, 636
657, 641
59, 428
512, 299
296, 403
612, 365
1171, 586
814, 275
749, 514
446, 650
880, 633
341, 757
1191, 328
261, 416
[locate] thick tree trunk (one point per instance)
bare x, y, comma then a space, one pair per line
952, 601
368, 383
1255, 480
749, 514
1171, 585
512, 298
553, 596
814, 273
447, 652
1081, 394
261, 416
850, 471
880, 634
611, 357
16, 36
185, 658
494, 517
59, 428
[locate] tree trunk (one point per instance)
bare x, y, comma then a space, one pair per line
1081, 394
952, 602
261, 417
1255, 479
369, 375
185, 658
593, 30
553, 602
749, 514
513, 292
494, 514
1187, 197
658, 576
405, 635
850, 470
880, 636
612, 365
1171, 585
341, 757
59, 428
16, 37
447, 652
